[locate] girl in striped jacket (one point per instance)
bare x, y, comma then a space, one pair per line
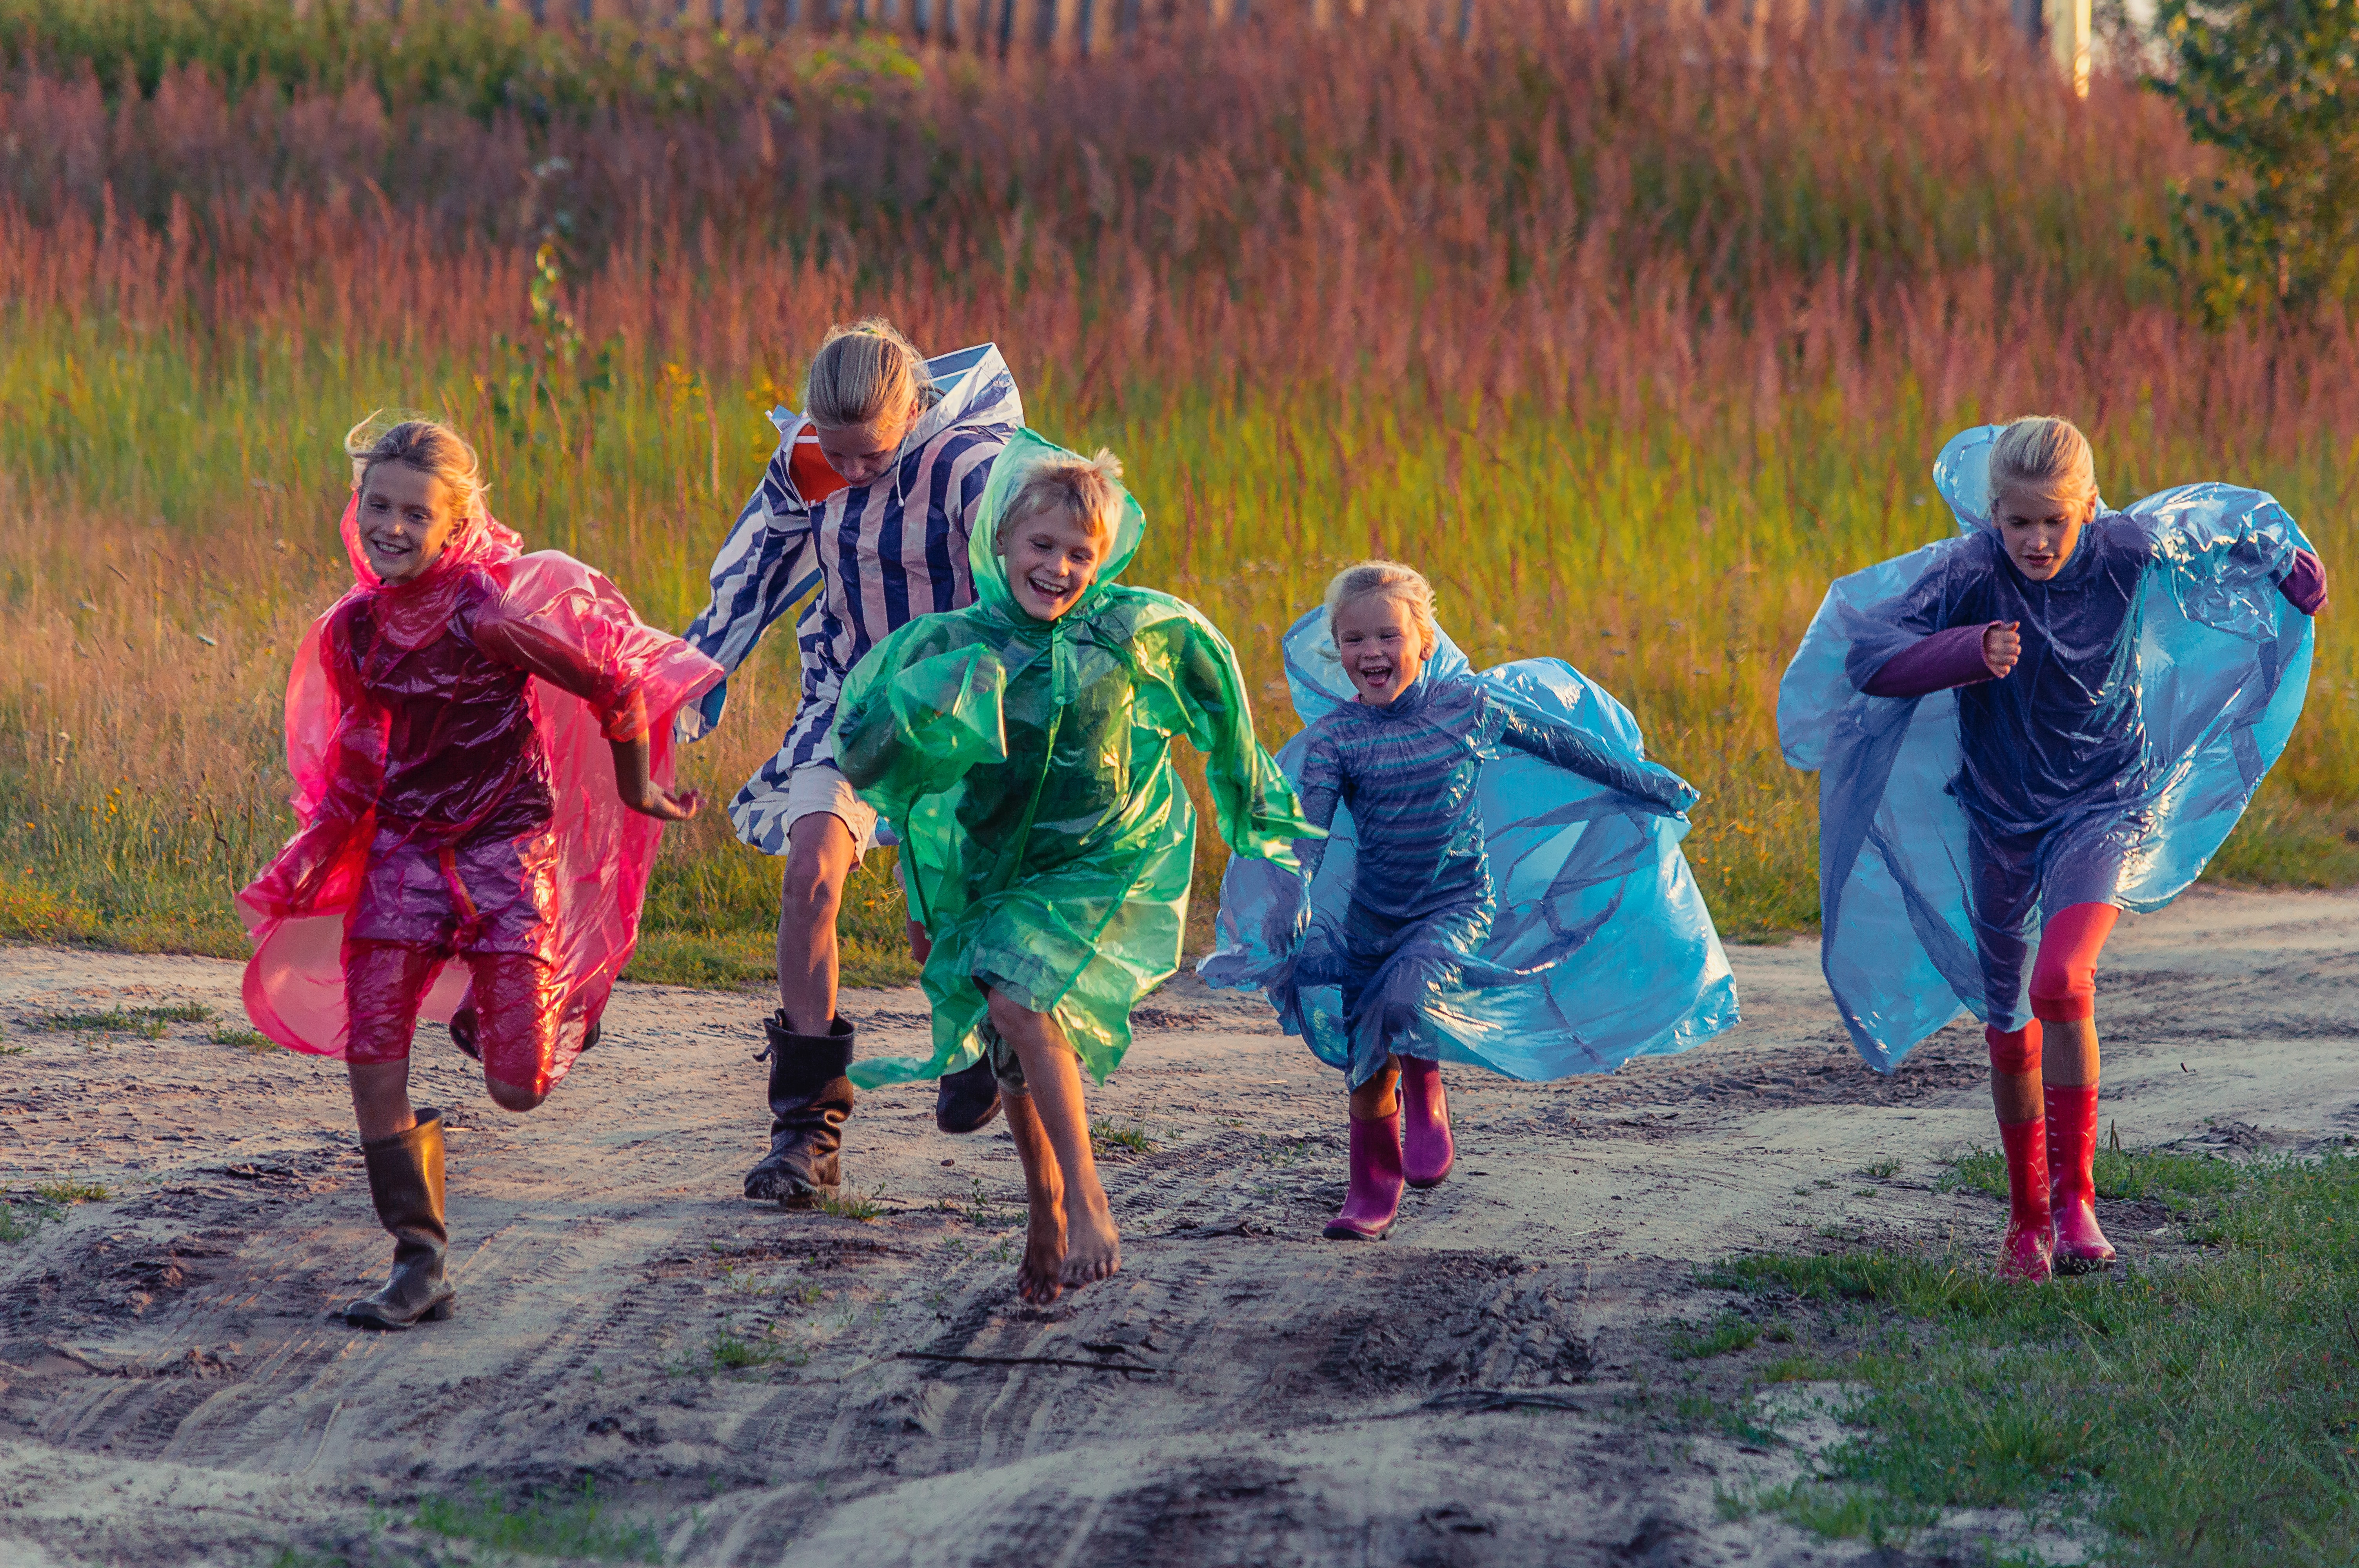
869, 500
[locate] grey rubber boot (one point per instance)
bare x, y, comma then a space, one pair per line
405, 1175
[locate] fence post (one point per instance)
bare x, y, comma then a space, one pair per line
2069, 29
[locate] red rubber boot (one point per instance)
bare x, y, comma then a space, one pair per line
1375, 1193
1427, 1152
2072, 1181
2029, 1252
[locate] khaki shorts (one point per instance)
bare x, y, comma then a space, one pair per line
818, 789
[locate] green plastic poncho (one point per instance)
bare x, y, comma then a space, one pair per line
1046, 839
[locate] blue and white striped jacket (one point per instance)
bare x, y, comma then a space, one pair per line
880, 554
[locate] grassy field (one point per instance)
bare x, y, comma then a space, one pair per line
1630, 348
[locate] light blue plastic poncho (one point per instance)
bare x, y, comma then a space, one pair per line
1521, 902
1047, 840
2186, 697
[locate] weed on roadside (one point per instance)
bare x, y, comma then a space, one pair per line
62, 1194
147, 1023
862, 1206
21, 1219
2175, 1179
542, 1525
1106, 1136
243, 1038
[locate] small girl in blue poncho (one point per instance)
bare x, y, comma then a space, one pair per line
1508, 888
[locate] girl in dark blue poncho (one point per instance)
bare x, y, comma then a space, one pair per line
2121, 681
1502, 883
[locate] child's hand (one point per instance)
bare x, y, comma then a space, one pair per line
654, 800
2002, 646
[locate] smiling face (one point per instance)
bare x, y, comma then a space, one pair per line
864, 454
406, 519
1052, 558
2040, 527
1382, 649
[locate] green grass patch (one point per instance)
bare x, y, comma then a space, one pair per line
862, 1206
566, 1525
1729, 1333
2200, 1413
2173, 1178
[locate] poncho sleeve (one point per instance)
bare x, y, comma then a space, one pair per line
1258, 813
1322, 790
767, 563
915, 716
1552, 740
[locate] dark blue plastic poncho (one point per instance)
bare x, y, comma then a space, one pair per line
1502, 883
2161, 676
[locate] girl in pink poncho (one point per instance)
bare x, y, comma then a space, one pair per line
445, 721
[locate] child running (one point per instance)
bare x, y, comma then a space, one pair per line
1022, 748
447, 721
1503, 882
871, 501
2019, 733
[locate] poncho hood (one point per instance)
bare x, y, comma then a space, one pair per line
1025, 452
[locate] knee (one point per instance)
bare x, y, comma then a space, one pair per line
2064, 975
2014, 1051
811, 886
1011, 1018
514, 1097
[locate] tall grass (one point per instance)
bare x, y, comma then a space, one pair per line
1631, 345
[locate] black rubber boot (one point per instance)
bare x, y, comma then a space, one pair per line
810, 1098
405, 1173
967, 1099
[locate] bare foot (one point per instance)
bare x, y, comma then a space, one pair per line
1037, 1277
1093, 1246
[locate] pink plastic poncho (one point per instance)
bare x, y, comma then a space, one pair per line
478, 777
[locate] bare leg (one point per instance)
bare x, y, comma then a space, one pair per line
819, 856
2068, 1053
2017, 1096
1040, 1279
1052, 1077
1373, 1100
381, 1098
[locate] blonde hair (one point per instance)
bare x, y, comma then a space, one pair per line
426, 444
866, 372
1087, 490
2045, 452
1387, 579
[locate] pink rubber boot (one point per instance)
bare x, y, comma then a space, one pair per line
1427, 1150
1375, 1197
2028, 1250
2072, 1180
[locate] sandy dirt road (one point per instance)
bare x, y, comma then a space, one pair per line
1485, 1387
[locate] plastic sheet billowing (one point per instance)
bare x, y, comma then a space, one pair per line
2161, 677
1529, 911
1047, 839
454, 786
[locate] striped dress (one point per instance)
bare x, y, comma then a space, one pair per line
879, 554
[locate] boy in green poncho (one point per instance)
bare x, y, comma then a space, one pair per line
1022, 748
